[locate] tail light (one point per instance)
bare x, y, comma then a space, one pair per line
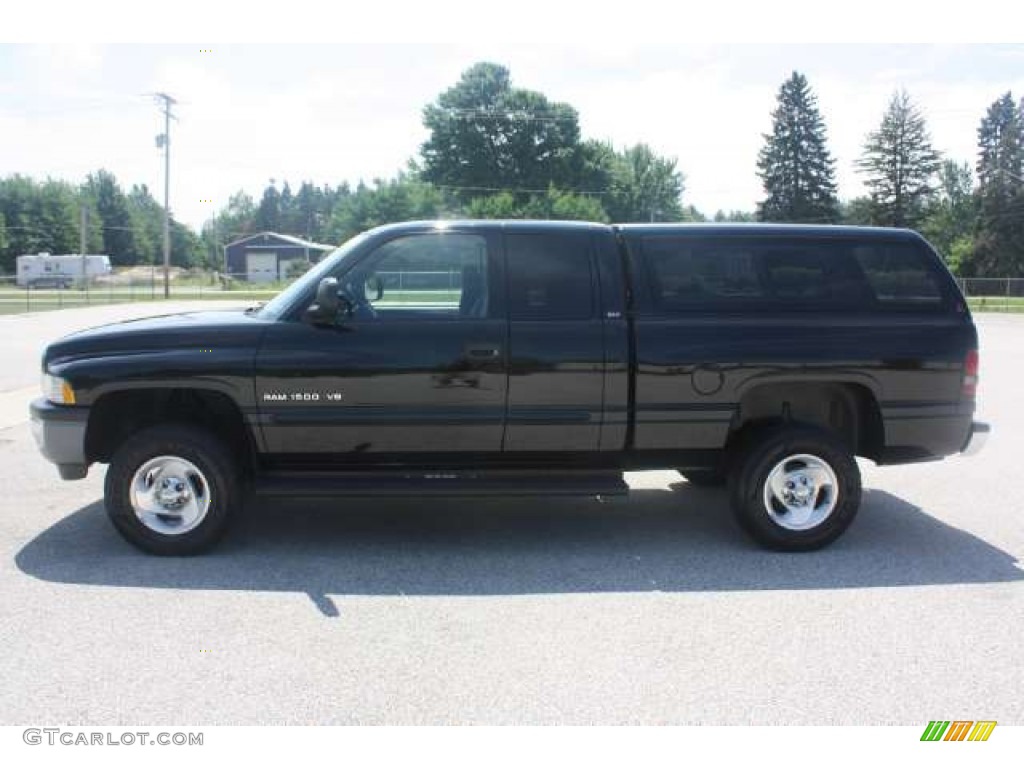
971, 365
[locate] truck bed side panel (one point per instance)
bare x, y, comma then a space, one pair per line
694, 368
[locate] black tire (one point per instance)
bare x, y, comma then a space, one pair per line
704, 478
763, 454
215, 483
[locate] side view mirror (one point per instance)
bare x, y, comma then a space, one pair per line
328, 304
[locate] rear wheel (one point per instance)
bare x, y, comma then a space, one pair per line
795, 488
171, 490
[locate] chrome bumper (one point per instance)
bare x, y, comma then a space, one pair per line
976, 438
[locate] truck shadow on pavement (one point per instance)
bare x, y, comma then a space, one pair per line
678, 540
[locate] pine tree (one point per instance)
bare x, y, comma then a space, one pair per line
999, 239
900, 165
795, 165
1001, 149
268, 214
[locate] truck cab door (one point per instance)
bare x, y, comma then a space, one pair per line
556, 342
416, 368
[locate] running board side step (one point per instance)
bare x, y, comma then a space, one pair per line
441, 483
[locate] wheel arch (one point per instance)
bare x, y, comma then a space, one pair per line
117, 414
846, 406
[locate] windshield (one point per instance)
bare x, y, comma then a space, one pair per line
278, 305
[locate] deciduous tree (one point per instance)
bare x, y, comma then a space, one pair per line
487, 136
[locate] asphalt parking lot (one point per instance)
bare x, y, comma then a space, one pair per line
647, 609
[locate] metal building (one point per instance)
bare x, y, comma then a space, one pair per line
266, 256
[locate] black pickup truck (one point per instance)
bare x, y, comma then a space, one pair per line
485, 357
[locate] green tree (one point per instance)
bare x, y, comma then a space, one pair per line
268, 214
960, 251
999, 232
114, 220
644, 187
555, 204
500, 206
740, 216
487, 136
17, 195
42, 217
795, 165
1001, 150
593, 167
899, 164
147, 217
287, 221
238, 218
858, 211
211, 246
385, 202
186, 247
46, 216
690, 213
951, 214
560, 205
55, 211
309, 212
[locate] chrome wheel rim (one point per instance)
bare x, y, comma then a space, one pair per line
170, 495
800, 492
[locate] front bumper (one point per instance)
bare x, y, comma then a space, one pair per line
976, 438
59, 431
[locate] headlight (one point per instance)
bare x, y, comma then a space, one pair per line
56, 390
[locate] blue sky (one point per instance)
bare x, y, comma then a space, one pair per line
338, 112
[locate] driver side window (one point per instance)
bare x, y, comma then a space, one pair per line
436, 276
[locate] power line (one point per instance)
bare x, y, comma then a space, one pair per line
512, 115
526, 190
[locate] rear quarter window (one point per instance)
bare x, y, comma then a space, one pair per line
899, 275
788, 274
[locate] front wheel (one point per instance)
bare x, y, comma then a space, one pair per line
171, 490
795, 488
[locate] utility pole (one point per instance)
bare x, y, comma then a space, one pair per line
164, 140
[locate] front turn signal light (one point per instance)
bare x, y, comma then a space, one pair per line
57, 390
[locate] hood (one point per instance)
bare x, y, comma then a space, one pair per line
188, 330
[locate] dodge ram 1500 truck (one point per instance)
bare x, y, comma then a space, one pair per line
483, 357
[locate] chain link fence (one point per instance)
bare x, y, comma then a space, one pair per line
997, 294
993, 294
992, 286
137, 284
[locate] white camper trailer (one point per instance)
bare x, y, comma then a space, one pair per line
43, 270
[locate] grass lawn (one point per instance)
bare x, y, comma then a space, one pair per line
996, 303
